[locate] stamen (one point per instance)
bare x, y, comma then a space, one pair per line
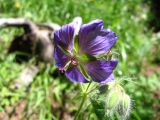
62, 70
74, 61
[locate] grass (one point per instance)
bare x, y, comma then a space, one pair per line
127, 18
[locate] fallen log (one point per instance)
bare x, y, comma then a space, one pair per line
36, 41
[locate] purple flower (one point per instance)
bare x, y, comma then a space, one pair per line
92, 40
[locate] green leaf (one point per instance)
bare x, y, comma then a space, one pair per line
1, 109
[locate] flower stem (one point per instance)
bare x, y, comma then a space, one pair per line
82, 102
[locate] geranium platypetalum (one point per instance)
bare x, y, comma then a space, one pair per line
92, 39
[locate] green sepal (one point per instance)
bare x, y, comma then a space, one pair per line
105, 56
65, 51
76, 44
85, 58
83, 71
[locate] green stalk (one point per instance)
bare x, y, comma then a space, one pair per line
82, 102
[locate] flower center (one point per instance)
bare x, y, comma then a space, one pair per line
74, 61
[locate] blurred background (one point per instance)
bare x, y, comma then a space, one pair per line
137, 24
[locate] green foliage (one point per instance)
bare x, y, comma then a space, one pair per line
9, 71
144, 92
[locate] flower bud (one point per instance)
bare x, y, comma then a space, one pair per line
112, 100
117, 101
125, 105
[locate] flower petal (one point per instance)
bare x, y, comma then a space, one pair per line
93, 39
109, 79
60, 58
101, 70
77, 21
64, 36
75, 75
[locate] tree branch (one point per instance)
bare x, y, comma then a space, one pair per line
28, 25
18, 22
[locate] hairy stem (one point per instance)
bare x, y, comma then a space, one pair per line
82, 102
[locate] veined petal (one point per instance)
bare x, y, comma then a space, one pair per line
64, 36
92, 27
75, 75
60, 58
109, 79
93, 39
101, 70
